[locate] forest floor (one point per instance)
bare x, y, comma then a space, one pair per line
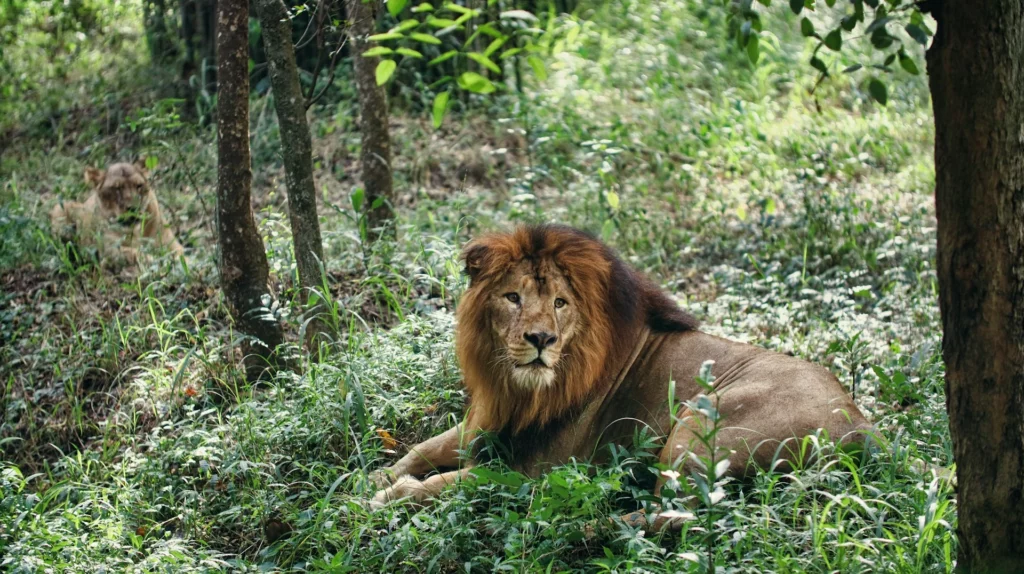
802, 223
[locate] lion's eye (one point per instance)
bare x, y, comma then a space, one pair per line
559, 303
513, 297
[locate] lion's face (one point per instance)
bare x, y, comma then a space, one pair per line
532, 319
122, 191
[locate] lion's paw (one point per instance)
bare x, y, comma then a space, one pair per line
382, 478
404, 487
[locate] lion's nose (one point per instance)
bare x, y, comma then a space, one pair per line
540, 340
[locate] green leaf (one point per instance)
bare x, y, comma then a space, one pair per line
385, 36
613, 200
817, 64
358, 198
151, 162
475, 83
377, 202
848, 23
881, 39
518, 15
395, 7
443, 57
424, 38
908, 64
796, 6
754, 49
484, 61
877, 23
441, 22
464, 18
493, 46
423, 7
917, 33
834, 40
851, 69
456, 8
440, 107
509, 53
608, 230
538, 67
807, 27
377, 51
409, 52
877, 90
384, 70
405, 25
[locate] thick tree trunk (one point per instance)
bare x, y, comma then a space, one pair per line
373, 118
244, 272
297, 150
976, 69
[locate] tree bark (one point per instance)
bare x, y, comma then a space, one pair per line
244, 271
297, 151
373, 118
976, 75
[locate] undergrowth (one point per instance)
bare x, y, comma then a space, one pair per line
800, 222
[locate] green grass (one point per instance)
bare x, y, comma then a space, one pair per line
131, 442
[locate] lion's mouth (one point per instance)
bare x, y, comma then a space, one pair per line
538, 362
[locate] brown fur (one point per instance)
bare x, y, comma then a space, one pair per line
615, 301
616, 342
118, 214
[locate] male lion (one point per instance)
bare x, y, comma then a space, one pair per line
121, 210
564, 349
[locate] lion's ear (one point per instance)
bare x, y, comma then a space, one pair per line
93, 176
140, 164
475, 256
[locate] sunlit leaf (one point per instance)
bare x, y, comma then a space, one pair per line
406, 25
384, 71
484, 61
408, 52
424, 38
538, 67
377, 51
443, 57
385, 36
440, 107
518, 15
475, 83
395, 7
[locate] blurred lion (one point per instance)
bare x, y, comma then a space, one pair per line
565, 350
119, 215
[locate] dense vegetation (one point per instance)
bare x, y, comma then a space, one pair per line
802, 222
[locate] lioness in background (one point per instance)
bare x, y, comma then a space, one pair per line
120, 212
564, 349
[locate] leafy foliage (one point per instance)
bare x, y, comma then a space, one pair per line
800, 222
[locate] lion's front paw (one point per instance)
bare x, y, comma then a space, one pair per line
404, 487
383, 477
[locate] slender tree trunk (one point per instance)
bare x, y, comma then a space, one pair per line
244, 272
976, 73
297, 150
373, 117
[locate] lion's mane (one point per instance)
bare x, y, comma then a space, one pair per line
615, 305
